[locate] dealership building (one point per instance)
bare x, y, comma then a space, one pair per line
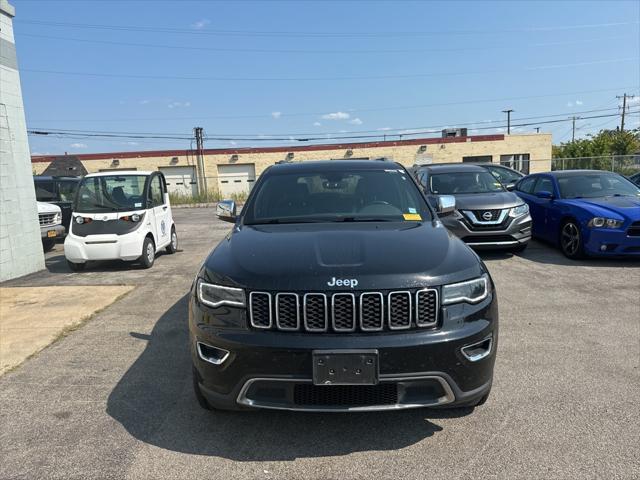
233, 170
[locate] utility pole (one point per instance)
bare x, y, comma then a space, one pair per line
537, 129
573, 128
508, 112
624, 108
202, 181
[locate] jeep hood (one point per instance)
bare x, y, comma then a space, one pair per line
306, 256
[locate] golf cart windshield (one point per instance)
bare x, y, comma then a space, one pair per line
111, 193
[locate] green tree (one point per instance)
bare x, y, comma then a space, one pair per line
603, 151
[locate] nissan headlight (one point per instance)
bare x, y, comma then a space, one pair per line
602, 222
217, 295
519, 210
471, 291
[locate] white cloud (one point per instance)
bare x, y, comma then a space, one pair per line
131, 143
200, 24
179, 105
144, 102
336, 116
631, 101
383, 129
317, 124
569, 104
355, 121
579, 102
232, 143
276, 115
78, 145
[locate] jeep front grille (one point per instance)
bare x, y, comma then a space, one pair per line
343, 312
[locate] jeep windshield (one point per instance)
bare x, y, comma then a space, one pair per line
111, 193
337, 196
596, 184
454, 183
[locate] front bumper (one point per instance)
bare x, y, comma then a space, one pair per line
103, 247
58, 231
611, 243
516, 233
418, 368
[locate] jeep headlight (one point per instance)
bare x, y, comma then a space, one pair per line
217, 295
519, 210
471, 291
602, 222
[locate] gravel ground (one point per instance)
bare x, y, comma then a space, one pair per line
114, 399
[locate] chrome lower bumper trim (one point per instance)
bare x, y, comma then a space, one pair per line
491, 244
448, 397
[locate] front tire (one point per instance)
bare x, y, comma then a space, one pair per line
75, 267
173, 246
196, 390
571, 240
48, 244
148, 253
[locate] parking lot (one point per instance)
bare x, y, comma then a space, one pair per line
114, 398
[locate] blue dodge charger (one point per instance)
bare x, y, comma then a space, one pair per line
584, 212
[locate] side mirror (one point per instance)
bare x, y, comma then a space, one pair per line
510, 187
226, 210
446, 204
544, 194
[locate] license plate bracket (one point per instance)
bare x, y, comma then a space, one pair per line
345, 367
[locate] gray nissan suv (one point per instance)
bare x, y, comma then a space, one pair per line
486, 214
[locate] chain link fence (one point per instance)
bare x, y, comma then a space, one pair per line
622, 164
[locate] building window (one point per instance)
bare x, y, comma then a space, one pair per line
478, 159
517, 161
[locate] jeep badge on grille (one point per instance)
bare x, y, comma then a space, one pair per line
343, 282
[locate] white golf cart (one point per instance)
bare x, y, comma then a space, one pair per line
122, 215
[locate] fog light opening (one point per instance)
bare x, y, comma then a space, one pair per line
214, 355
479, 350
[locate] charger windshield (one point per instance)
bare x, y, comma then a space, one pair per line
596, 184
340, 196
111, 193
464, 182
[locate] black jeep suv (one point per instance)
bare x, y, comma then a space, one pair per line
338, 289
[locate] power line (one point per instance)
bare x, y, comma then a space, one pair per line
307, 34
323, 51
302, 79
387, 132
318, 138
350, 111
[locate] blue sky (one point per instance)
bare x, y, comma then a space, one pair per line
318, 69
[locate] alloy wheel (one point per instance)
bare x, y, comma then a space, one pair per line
570, 238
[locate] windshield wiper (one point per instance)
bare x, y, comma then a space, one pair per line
363, 219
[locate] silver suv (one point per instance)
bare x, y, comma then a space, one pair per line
486, 214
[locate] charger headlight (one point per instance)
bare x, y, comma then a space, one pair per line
215, 296
519, 210
471, 291
602, 222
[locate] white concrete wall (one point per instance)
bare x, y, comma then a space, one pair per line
20, 243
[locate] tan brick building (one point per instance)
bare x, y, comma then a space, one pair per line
234, 170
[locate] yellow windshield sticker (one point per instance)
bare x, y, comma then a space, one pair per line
412, 216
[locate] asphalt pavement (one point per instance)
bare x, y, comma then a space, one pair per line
114, 398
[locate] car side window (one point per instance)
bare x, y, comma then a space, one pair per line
544, 184
526, 184
155, 192
422, 179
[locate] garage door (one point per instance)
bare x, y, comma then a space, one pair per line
236, 179
181, 180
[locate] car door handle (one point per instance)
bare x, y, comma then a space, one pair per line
164, 208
